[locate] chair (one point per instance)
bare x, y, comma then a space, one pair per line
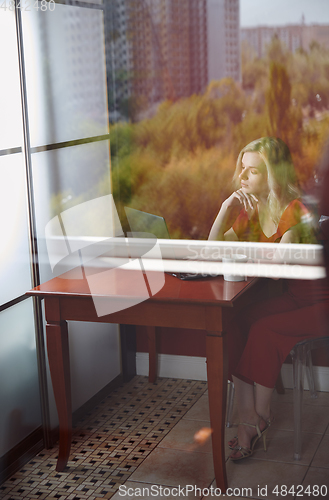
229, 405
302, 358
302, 361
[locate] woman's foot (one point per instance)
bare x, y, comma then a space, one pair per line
234, 442
248, 436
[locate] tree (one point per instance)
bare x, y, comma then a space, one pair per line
277, 51
278, 99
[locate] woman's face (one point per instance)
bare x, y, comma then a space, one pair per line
253, 176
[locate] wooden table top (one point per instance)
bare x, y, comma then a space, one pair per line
124, 283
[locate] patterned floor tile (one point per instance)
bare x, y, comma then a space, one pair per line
109, 443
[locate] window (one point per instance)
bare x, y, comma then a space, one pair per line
61, 160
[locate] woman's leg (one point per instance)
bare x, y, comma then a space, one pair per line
252, 405
263, 396
239, 327
271, 339
244, 396
253, 408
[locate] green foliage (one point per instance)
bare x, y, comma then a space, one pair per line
121, 140
278, 98
309, 73
228, 98
191, 124
131, 107
318, 95
315, 46
277, 51
130, 175
188, 192
253, 73
252, 127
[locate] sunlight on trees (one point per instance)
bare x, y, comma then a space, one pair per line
179, 162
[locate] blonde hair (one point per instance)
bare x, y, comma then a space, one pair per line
281, 174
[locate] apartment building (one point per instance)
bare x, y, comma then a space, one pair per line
223, 32
293, 36
167, 49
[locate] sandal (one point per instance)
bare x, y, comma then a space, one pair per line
233, 443
248, 452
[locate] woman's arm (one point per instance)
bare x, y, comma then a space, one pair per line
223, 224
228, 213
291, 236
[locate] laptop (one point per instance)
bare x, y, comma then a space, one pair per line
143, 222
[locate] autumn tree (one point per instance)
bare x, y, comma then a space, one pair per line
278, 99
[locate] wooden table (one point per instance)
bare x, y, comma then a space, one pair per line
206, 304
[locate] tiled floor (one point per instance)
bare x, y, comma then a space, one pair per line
141, 438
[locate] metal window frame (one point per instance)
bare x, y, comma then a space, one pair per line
32, 232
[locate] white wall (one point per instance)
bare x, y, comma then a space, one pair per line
195, 368
94, 359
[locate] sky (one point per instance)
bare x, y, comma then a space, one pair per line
278, 12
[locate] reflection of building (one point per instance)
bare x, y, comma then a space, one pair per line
118, 52
161, 49
223, 29
294, 36
158, 48
316, 32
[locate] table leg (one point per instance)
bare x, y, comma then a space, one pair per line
153, 355
128, 351
59, 364
217, 389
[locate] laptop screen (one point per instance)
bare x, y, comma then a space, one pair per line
142, 222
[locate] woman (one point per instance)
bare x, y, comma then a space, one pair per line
268, 189
266, 208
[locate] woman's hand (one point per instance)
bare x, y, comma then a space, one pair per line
243, 200
229, 211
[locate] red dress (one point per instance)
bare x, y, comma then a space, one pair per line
262, 336
250, 229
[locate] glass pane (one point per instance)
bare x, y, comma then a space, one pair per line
14, 251
19, 389
65, 73
10, 100
64, 178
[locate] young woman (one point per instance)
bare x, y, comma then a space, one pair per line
265, 207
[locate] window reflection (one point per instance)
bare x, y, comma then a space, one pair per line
66, 83
191, 86
10, 102
64, 178
14, 251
